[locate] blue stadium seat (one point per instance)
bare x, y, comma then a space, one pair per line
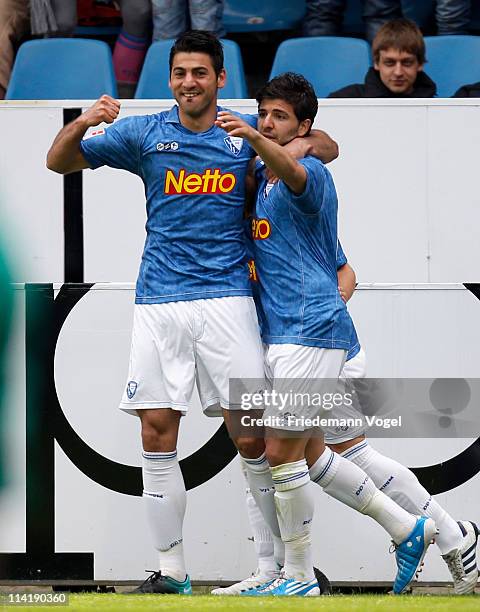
261, 16
452, 61
327, 62
153, 82
62, 69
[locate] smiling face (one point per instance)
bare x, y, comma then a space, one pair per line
277, 121
398, 70
194, 84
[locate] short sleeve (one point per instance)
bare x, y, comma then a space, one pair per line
310, 201
117, 146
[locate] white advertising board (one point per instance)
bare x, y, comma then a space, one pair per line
88, 519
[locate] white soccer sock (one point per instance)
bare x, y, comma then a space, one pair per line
262, 488
399, 483
165, 499
262, 537
295, 505
349, 484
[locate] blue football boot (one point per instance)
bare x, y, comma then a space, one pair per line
410, 553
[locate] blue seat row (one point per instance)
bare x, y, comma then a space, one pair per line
76, 69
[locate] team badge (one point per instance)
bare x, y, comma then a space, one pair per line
167, 146
131, 388
234, 143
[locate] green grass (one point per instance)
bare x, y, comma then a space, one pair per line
201, 603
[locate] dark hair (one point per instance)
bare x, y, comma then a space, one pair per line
294, 89
199, 41
401, 34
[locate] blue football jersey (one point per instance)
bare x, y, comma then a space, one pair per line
295, 246
195, 191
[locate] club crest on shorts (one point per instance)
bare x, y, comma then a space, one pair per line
131, 388
234, 143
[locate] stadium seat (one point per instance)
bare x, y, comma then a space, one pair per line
153, 82
62, 69
255, 16
327, 62
452, 61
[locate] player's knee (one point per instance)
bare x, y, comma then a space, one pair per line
275, 453
250, 448
157, 440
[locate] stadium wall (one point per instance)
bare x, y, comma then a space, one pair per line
72, 509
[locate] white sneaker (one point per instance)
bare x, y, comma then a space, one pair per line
250, 583
462, 562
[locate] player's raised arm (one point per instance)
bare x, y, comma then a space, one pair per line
278, 159
64, 155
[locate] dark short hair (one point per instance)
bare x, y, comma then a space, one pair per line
294, 89
199, 41
401, 34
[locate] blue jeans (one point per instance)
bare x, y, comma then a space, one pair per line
453, 16
173, 17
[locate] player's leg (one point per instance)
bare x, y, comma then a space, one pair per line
294, 504
267, 568
456, 540
159, 388
229, 349
293, 370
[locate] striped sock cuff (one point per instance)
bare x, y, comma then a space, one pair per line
258, 465
354, 451
324, 469
160, 456
290, 475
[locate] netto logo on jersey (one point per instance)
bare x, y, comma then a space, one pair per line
211, 181
167, 146
260, 229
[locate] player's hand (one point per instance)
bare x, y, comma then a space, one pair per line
234, 126
105, 110
343, 294
298, 148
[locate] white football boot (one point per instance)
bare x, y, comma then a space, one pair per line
462, 562
252, 582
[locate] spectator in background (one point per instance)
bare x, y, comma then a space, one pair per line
325, 17
399, 56
171, 18
14, 24
59, 18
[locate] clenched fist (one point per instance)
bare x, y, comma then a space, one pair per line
105, 109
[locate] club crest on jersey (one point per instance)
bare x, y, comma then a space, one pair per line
167, 146
234, 143
131, 388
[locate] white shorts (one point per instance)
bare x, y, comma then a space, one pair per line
354, 368
306, 372
177, 344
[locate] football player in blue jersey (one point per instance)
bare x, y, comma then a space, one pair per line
308, 332
194, 319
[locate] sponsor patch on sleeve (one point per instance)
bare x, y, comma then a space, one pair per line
94, 133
